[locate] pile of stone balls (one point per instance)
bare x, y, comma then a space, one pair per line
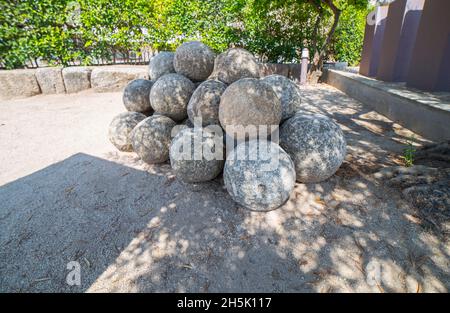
192, 95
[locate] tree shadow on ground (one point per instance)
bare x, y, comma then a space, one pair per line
136, 228
130, 230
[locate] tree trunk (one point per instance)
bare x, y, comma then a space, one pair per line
319, 55
319, 10
316, 31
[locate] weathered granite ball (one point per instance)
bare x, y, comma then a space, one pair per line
161, 64
170, 95
196, 84
195, 60
188, 123
259, 175
205, 102
234, 64
151, 138
288, 93
249, 102
136, 96
121, 127
196, 154
315, 143
179, 127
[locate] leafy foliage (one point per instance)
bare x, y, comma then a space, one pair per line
409, 152
349, 36
84, 31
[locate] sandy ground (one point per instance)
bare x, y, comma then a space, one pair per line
67, 195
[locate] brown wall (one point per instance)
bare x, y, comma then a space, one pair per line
372, 43
430, 64
400, 34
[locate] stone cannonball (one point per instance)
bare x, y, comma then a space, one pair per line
196, 154
205, 102
151, 138
315, 143
170, 95
180, 126
288, 93
161, 64
136, 96
234, 64
121, 127
259, 175
249, 103
195, 60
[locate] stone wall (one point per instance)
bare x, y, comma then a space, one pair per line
18, 84
55, 80
291, 71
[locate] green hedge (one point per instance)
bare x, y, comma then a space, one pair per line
63, 31
88, 31
349, 37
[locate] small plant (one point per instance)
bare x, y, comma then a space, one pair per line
408, 152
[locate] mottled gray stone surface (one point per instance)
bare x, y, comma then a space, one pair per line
205, 101
179, 127
259, 175
196, 84
315, 143
76, 78
151, 138
188, 123
170, 95
18, 84
136, 96
234, 64
121, 127
50, 80
195, 60
287, 91
161, 64
196, 155
249, 102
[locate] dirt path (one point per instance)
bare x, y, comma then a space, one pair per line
67, 195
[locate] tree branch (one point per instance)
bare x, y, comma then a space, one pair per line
318, 58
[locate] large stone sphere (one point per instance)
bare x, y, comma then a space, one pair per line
259, 175
194, 60
170, 95
288, 93
249, 103
136, 96
315, 143
179, 127
161, 64
205, 102
196, 154
121, 127
151, 138
234, 64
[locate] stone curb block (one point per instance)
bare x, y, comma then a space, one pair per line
50, 80
77, 78
18, 84
273, 68
289, 70
107, 79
